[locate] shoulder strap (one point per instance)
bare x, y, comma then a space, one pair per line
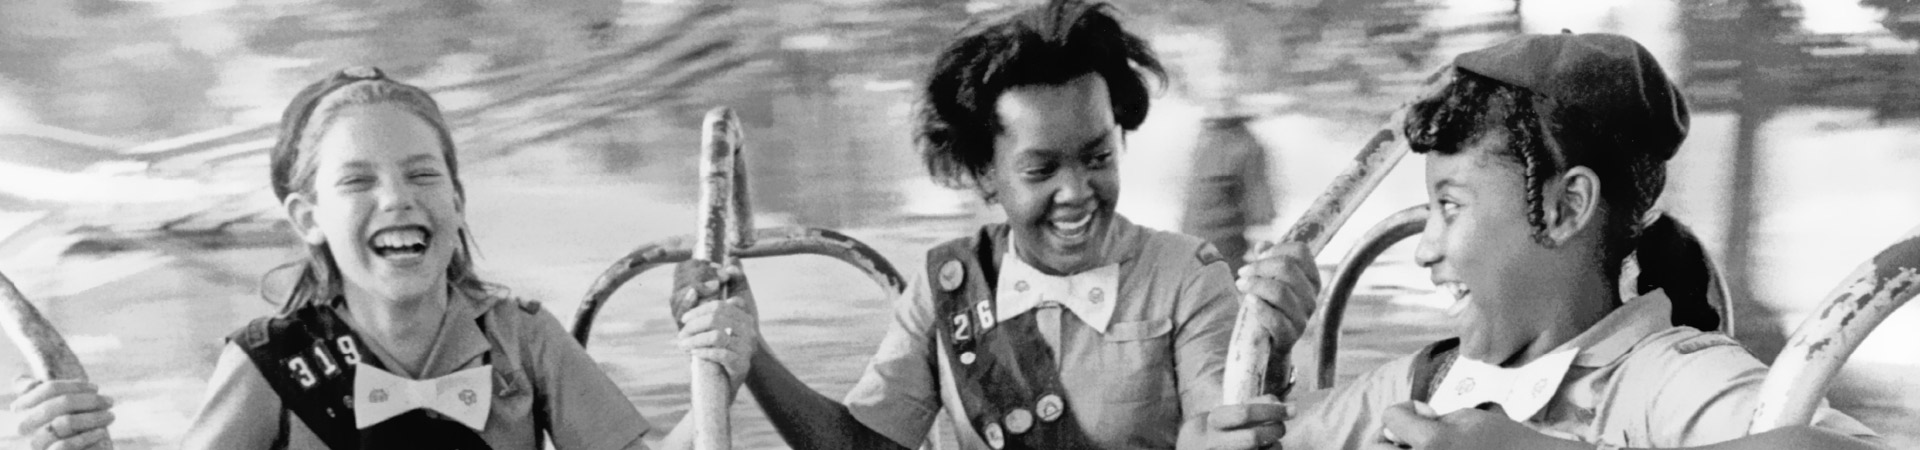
1430, 366
308, 355
1005, 373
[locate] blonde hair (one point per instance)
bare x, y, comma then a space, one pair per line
293, 164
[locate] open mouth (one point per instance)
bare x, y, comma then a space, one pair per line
1462, 297
1073, 228
400, 242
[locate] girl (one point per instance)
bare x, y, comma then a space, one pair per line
1544, 155
388, 339
1067, 326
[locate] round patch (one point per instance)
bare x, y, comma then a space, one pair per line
1019, 421
1050, 408
1020, 286
1540, 388
1466, 385
951, 274
1097, 296
994, 437
966, 358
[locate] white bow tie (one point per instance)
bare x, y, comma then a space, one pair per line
1090, 295
1520, 391
465, 396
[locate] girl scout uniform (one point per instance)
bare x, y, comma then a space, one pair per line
1631, 380
1115, 357
502, 374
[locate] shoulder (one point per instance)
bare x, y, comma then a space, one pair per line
1178, 252
1683, 345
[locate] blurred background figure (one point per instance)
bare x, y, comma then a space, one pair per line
1230, 190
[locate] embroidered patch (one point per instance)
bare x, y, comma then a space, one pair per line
1019, 421
1703, 342
1050, 407
951, 274
1208, 255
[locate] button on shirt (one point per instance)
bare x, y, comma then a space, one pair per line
541, 379
1636, 381
1157, 362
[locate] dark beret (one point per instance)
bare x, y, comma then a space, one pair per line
1610, 78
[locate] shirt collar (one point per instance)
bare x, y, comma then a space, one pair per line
460, 341
1613, 336
1090, 294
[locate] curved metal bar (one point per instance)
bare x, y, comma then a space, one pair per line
1397, 227
1251, 344
47, 354
1798, 380
767, 242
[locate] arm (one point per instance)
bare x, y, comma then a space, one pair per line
1471, 428
728, 332
583, 407
805, 418
241, 411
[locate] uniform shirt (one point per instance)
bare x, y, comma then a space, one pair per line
544, 384
1159, 361
1636, 381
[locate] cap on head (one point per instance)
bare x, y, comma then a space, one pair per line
1609, 77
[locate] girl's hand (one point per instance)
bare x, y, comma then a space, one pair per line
1256, 424
62, 414
1414, 425
725, 332
1285, 277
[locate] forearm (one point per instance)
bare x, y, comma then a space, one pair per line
1801, 437
803, 417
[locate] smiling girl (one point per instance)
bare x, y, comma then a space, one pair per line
1544, 155
1067, 326
388, 339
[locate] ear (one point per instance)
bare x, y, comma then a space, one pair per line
987, 184
299, 208
1574, 204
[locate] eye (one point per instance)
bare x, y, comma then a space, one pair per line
424, 175
1040, 170
1449, 209
356, 182
1100, 160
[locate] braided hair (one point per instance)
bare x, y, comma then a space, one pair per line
1545, 139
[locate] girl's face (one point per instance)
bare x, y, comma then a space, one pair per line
383, 201
1054, 172
1480, 247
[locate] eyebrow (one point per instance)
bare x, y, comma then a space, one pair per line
1448, 182
1083, 147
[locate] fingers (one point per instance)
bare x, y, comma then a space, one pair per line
1246, 415
728, 317
1408, 423
41, 391
24, 383
92, 439
1262, 436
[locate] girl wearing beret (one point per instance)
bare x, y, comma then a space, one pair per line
388, 339
1544, 155
1067, 326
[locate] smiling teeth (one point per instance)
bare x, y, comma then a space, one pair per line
400, 239
1074, 226
1460, 293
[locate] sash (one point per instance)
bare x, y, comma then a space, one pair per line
308, 356
1005, 372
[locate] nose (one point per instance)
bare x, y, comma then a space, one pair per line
395, 196
1076, 186
1430, 250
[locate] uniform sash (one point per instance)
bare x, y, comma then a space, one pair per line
1005, 372
308, 355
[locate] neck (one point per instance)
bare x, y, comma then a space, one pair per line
1588, 299
395, 322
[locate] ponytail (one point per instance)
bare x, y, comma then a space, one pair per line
1671, 259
